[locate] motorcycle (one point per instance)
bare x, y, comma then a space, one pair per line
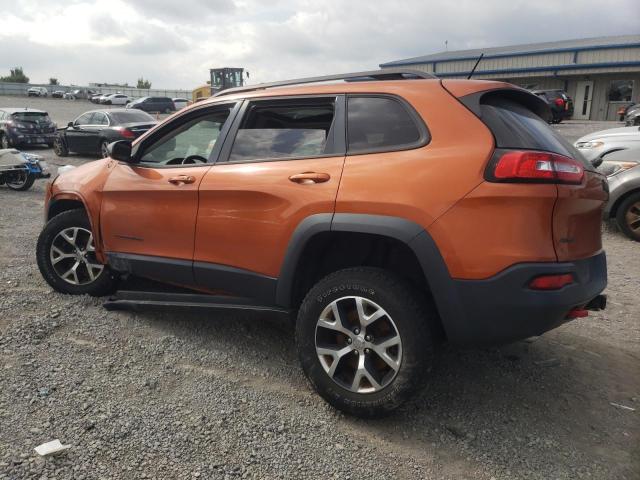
18, 170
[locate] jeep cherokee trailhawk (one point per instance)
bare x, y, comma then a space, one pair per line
388, 212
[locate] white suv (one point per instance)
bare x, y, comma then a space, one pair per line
37, 92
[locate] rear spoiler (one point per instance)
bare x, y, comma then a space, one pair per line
473, 92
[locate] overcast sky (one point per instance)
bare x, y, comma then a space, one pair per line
173, 43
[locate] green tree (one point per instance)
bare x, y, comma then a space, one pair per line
142, 83
53, 81
17, 76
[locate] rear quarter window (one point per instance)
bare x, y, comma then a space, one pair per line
382, 124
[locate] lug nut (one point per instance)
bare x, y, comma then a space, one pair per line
367, 351
356, 331
368, 338
349, 341
356, 352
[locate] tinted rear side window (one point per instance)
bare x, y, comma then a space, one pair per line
515, 126
284, 129
379, 124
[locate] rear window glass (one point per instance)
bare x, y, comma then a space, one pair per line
515, 126
131, 117
379, 124
31, 116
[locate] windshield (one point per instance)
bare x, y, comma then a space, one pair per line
132, 116
37, 117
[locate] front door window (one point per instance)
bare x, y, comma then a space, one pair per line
190, 143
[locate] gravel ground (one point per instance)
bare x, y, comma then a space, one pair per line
166, 395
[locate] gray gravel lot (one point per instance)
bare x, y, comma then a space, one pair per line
166, 395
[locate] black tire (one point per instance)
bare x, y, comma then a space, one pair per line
628, 216
25, 184
412, 315
104, 282
60, 148
4, 141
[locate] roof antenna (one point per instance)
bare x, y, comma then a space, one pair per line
475, 66
446, 45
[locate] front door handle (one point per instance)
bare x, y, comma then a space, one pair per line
182, 179
307, 178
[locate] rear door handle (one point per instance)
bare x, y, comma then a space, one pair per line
182, 179
307, 178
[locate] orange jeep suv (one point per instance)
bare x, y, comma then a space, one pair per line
387, 211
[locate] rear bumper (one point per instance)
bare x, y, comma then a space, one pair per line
18, 138
503, 309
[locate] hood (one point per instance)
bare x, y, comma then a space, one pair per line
613, 133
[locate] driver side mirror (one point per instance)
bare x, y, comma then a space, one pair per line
121, 151
71, 125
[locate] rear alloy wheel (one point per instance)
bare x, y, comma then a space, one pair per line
628, 216
364, 341
60, 148
66, 256
21, 181
375, 359
104, 149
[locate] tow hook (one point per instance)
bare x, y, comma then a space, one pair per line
577, 312
598, 303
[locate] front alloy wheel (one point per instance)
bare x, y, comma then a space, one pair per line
628, 216
66, 256
73, 256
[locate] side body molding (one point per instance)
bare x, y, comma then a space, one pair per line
433, 266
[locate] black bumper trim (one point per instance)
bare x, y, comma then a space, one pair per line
502, 309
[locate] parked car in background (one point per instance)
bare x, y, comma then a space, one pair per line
93, 131
632, 115
115, 99
18, 170
153, 104
58, 94
325, 202
180, 103
622, 168
560, 103
600, 143
79, 94
95, 98
37, 92
25, 126
100, 97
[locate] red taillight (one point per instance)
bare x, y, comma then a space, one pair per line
551, 282
559, 102
545, 167
125, 132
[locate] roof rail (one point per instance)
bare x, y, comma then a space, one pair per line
384, 74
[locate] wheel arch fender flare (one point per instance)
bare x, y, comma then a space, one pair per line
410, 233
65, 201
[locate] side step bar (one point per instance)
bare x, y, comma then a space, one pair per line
140, 301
